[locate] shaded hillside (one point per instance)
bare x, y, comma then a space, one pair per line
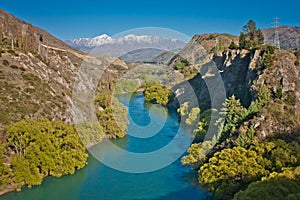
289, 36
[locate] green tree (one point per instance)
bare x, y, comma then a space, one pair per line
234, 114
193, 116
250, 37
197, 154
41, 148
285, 185
250, 29
157, 94
230, 170
233, 45
260, 37
242, 41
184, 109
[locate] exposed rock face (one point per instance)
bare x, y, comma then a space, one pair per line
283, 115
243, 74
201, 45
237, 69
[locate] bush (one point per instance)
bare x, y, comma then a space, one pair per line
5, 63
43, 148
157, 94
233, 46
14, 67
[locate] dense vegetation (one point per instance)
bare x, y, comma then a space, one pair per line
35, 149
251, 37
240, 158
184, 67
112, 115
157, 93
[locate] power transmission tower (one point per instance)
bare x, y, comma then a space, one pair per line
276, 38
216, 45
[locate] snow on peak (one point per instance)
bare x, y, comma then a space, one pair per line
131, 40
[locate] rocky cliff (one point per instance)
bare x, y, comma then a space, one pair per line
242, 73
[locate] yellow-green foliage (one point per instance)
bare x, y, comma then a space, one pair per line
184, 109
90, 132
113, 120
41, 148
157, 94
232, 170
285, 185
229, 169
234, 114
193, 116
126, 86
197, 154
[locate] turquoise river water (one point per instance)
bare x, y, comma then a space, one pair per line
97, 181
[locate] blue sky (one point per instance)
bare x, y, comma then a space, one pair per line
74, 19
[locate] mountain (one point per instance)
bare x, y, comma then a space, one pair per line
131, 48
289, 36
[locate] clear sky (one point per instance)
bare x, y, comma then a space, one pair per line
77, 18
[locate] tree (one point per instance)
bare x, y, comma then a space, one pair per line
285, 185
250, 37
197, 154
250, 29
230, 170
260, 37
233, 45
41, 148
157, 94
193, 116
184, 109
234, 114
242, 41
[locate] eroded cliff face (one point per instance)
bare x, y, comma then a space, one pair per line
230, 70
242, 74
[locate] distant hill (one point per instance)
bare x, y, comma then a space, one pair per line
289, 36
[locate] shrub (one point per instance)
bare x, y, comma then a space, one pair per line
5, 63
233, 46
14, 67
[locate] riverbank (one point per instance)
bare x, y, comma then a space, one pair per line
97, 181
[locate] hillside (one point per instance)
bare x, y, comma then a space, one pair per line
37, 76
247, 143
289, 36
38, 73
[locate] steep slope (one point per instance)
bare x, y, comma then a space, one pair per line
289, 36
38, 71
253, 138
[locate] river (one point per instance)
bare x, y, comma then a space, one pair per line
97, 181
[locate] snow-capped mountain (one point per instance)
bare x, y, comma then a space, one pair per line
123, 46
